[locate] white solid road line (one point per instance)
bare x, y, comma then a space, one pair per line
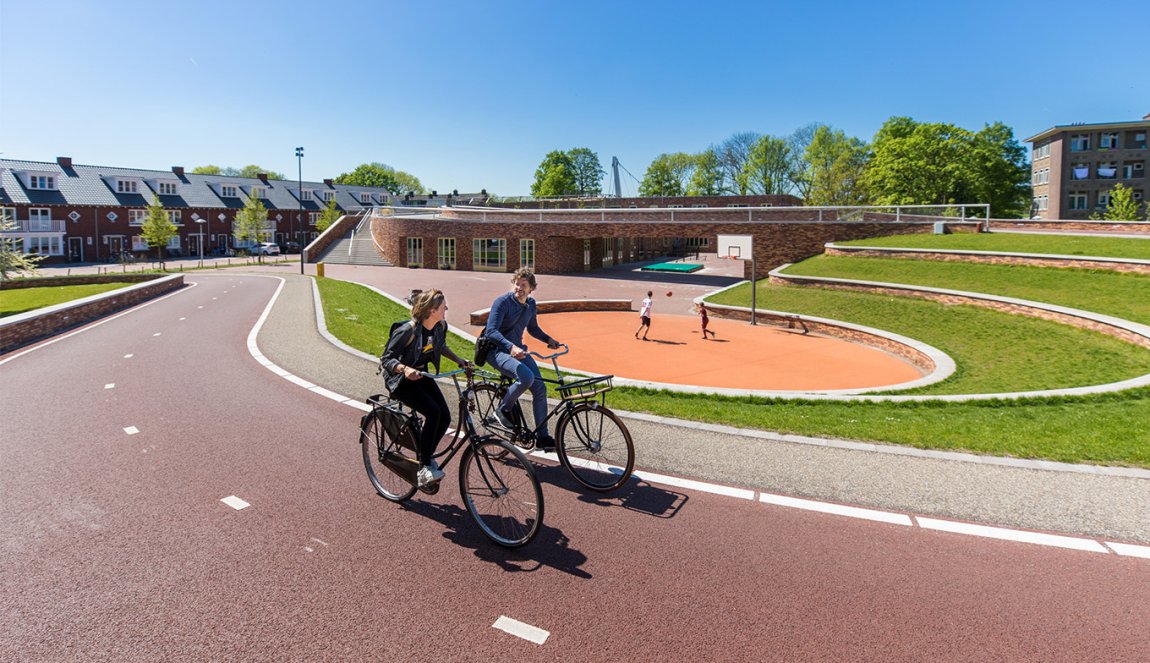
521, 630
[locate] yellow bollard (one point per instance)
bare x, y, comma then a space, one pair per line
319, 269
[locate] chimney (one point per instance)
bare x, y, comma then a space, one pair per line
179, 171
327, 182
263, 177
65, 162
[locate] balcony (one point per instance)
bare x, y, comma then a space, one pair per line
25, 226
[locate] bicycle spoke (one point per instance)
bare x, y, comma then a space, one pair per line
501, 493
596, 447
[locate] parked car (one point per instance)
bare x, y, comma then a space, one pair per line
265, 249
290, 247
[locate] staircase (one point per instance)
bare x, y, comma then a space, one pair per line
355, 249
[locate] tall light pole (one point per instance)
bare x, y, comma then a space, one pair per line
200, 222
299, 195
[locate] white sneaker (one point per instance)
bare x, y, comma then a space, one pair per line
429, 474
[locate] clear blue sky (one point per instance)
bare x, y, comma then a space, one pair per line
470, 95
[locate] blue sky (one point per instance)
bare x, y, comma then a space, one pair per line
470, 95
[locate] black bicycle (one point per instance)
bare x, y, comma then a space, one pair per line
496, 481
591, 441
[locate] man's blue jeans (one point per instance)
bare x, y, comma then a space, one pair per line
527, 376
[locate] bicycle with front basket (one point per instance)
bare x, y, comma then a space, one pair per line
496, 481
591, 441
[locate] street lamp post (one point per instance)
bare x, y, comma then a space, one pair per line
199, 221
299, 196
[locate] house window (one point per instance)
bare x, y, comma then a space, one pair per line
305, 194
1042, 176
1080, 171
1078, 201
1042, 152
328, 196
489, 255
415, 252
168, 188
259, 192
365, 198
312, 217
49, 246
1133, 170
176, 216
1139, 141
125, 186
1136, 195
1080, 143
40, 219
1108, 141
586, 254
527, 253
8, 214
446, 259
41, 182
1107, 170
174, 242
1103, 200
136, 217
139, 243
227, 191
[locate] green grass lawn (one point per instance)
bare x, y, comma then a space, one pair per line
19, 300
1112, 429
1070, 245
1126, 296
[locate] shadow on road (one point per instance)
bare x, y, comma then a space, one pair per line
635, 495
550, 548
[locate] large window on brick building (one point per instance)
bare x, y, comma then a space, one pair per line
415, 252
527, 253
446, 259
489, 255
1078, 200
40, 219
1080, 143
1108, 140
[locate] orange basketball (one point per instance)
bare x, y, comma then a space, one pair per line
668, 293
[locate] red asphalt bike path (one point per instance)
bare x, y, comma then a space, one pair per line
117, 546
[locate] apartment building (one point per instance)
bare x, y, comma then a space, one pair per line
1074, 167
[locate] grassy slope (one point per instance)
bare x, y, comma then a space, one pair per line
26, 299
1111, 247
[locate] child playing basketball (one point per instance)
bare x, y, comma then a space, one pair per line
703, 317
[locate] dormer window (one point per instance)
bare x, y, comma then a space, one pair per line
305, 194
167, 188
328, 196
41, 182
126, 186
227, 191
259, 192
365, 198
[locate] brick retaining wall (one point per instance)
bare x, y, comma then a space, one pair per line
1131, 227
1005, 259
19, 330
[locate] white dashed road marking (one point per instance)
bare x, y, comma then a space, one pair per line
157, 334
521, 630
128, 356
235, 502
1058, 541
131, 430
110, 385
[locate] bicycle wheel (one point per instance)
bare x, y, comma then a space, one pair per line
595, 447
500, 491
377, 447
485, 398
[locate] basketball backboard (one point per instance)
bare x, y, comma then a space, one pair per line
735, 246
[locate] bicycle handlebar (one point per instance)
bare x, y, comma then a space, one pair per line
557, 354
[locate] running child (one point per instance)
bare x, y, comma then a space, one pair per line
645, 316
704, 319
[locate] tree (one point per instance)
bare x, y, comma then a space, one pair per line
329, 216
1122, 207
798, 142
667, 175
250, 224
381, 175
209, 169
12, 256
733, 155
587, 170
158, 229
768, 167
555, 177
915, 163
835, 167
247, 171
707, 174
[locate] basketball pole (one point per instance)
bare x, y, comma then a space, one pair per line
754, 288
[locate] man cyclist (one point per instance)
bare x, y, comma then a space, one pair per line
512, 314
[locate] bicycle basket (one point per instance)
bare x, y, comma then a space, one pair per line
403, 427
585, 388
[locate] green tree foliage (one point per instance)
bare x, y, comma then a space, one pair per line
12, 258
1122, 206
251, 171
706, 175
835, 165
668, 175
382, 175
329, 216
917, 163
250, 224
768, 167
158, 228
587, 170
555, 177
